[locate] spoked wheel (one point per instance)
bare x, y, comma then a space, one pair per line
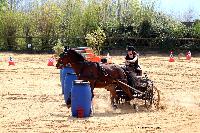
152, 97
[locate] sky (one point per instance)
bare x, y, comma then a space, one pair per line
180, 9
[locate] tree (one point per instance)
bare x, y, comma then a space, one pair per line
2, 5
72, 25
43, 22
11, 26
47, 20
96, 40
58, 48
196, 29
91, 16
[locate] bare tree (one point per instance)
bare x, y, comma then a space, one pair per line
189, 15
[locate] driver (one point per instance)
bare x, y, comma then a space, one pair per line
132, 61
132, 64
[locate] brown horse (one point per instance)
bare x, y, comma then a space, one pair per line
99, 75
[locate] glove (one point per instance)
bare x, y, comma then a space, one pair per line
127, 62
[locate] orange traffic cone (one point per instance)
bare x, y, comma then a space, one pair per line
171, 58
188, 55
50, 62
11, 62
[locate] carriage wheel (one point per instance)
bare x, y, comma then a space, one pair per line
152, 97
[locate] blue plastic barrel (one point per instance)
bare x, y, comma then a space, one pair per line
81, 99
65, 70
69, 78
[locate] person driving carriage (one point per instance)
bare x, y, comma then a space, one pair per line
132, 65
132, 61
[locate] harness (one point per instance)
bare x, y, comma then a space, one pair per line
81, 68
102, 70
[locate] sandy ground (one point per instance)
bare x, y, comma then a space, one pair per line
31, 100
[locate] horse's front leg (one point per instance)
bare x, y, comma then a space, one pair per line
114, 101
113, 95
92, 85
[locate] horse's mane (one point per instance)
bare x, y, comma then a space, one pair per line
76, 54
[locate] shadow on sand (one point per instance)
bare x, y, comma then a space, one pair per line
111, 112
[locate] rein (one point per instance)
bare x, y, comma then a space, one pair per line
101, 71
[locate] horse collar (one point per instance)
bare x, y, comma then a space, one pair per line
81, 68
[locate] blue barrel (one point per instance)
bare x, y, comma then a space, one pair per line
81, 99
69, 78
65, 70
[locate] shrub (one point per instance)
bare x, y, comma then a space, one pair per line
58, 48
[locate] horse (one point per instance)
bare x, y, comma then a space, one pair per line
107, 76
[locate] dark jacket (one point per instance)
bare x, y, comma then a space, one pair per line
135, 64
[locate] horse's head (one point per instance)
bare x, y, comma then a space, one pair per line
69, 56
61, 61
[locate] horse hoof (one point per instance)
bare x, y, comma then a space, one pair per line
135, 107
115, 107
68, 106
68, 103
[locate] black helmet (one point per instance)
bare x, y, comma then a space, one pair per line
130, 48
104, 60
66, 48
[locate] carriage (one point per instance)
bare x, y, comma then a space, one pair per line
143, 89
112, 77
